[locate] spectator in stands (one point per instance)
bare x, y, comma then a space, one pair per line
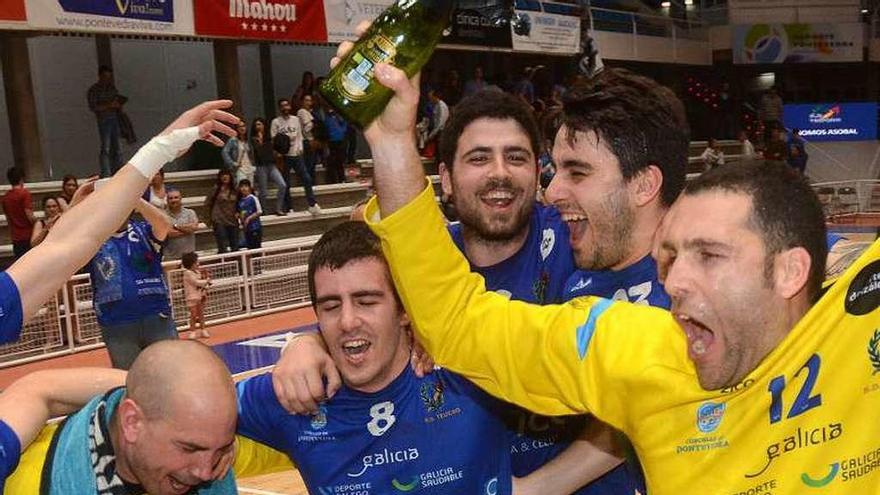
310, 145
452, 89
195, 290
129, 291
351, 143
184, 224
337, 128
524, 87
712, 156
238, 156
797, 152
476, 84
249, 211
36, 278
106, 102
288, 124
747, 149
728, 113
19, 210
770, 113
156, 194
307, 87
264, 157
221, 205
776, 149
69, 185
51, 214
439, 117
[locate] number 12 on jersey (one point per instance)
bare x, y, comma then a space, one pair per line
804, 400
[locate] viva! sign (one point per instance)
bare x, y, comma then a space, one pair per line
292, 20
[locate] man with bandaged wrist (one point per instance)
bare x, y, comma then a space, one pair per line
76, 237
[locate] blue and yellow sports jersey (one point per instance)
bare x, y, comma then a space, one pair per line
538, 271
636, 283
10, 451
537, 274
805, 418
11, 313
435, 434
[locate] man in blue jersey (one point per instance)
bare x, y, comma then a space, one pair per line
386, 429
620, 157
29, 402
76, 237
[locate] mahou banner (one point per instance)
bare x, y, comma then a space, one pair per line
12, 10
288, 20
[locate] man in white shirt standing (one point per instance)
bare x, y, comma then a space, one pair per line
288, 124
308, 124
439, 117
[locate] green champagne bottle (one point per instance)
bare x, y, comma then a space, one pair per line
404, 35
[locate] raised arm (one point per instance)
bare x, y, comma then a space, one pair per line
29, 402
158, 220
79, 233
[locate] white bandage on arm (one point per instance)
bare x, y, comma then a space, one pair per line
162, 149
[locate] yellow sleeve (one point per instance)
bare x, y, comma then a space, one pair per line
253, 459
584, 356
25, 480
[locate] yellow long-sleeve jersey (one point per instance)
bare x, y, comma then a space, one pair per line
806, 420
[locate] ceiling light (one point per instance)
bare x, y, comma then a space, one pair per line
666, 5
689, 2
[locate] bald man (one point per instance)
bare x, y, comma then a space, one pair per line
170, 430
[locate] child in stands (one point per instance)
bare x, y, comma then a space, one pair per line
195, 290
249, 211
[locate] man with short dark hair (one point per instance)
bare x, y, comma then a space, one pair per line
729, 393
386, 429
288, 124
19, 210
106, 103
170, 430
184, 224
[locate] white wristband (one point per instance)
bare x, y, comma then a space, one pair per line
162, 149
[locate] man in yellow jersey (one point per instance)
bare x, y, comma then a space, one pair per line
753, 384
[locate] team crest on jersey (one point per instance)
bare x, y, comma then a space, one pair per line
432, 395
539, 288
547, 243
319, 420
709, 416
874, 351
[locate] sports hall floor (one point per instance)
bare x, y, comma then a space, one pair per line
248, 347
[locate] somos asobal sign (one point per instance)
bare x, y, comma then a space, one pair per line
833, 121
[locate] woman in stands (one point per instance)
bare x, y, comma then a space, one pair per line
52, 211
222, 205
69, 185
261, 145
155, 194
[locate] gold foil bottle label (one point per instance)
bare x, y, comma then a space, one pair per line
359, 71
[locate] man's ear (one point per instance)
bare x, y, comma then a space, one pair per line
646, 185
791, 271
445, 179
131, 420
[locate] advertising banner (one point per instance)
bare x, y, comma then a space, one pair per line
797, 43
477, 28
288, 20
122, 16
833, 121
12, 10
344, 15
548, 28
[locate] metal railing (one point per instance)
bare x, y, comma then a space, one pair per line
620, 21
245, 284
849, 196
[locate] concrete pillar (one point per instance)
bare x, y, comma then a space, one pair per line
21, 104
269, 106
226, 69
